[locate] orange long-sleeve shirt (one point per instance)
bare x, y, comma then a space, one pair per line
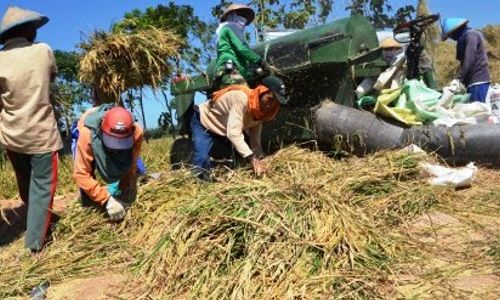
84, 158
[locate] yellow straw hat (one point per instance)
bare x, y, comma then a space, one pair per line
390, 43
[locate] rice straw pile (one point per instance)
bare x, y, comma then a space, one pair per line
118, 61
316, 228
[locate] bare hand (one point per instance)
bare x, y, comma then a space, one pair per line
260, 168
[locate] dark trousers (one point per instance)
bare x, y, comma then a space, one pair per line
203, 140
36, 176
478, 92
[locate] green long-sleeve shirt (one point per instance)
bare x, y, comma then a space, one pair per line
230, 47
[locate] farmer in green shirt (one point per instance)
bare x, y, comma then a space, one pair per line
234, 56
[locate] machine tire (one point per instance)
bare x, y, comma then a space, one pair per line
181, 153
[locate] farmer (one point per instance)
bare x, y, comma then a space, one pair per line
231, 112
28, 127
110, 142
471, 53
392, 51
99, 98
234, 57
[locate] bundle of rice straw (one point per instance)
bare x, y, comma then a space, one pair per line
118, 61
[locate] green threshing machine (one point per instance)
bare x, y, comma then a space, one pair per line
322, 62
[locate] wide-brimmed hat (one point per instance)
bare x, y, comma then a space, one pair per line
277, 86
15, 16
244, 10
390, 43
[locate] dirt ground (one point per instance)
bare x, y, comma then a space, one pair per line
454, 251
96, 288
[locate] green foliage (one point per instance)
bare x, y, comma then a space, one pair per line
68, 93
378, 12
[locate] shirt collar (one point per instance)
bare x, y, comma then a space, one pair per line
15, 42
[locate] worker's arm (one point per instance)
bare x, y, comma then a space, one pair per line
471, 43
83, 172
235, 128
128, 181
247, 53
254, 134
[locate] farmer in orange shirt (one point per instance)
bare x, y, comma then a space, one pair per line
110, 142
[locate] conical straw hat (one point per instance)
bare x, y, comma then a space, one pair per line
390, 43
244, 10
15, 16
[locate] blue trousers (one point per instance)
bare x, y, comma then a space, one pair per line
478, 92
203, 140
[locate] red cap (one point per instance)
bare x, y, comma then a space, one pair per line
117, 127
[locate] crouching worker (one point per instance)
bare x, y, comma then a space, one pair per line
230, 113
110, 142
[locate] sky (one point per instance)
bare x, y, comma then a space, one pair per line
70, 20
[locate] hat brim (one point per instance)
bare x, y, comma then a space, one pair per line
36, 23
281, 99
115, 143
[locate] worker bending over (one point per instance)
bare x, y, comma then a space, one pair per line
471, 53
110, 142
231, 112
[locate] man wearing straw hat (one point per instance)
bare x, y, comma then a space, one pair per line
110, 142
232, 112
234, 56
28, 128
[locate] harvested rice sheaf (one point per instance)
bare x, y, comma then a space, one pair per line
317, 227
117, 61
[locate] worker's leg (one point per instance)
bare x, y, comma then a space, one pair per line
202, 144
478, 92
41, 195
21, 164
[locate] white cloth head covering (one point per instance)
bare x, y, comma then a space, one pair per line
236, 23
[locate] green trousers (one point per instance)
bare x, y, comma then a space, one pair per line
36, 177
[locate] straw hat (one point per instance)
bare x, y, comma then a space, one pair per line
243, 10
390, 43
15, 16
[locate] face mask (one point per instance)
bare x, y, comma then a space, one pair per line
390, 56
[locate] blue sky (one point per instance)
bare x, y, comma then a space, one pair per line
70, 19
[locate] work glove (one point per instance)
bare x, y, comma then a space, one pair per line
260, 168
116, 209
454, 86
114, 189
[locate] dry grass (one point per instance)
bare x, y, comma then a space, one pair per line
316, 228
118, 61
